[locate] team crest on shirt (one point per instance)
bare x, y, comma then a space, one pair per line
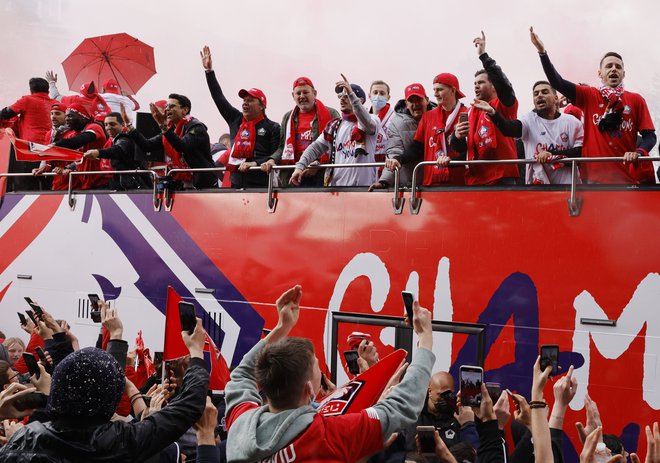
338, 401
564, 137
245, 134
627, 109
450, 434
261, 131
483, 131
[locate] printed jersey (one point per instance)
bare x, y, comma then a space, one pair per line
540, 134
304, 132
341, 438
636, 118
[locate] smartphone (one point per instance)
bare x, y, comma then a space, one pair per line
549, 356
450, 399
462, 117
31, 364
187, 316
37, 310
426, 435
471, 378
30, 314
31, 401
494, 391
95, 315
28, 300
94, 301
22, 318
351, 357
408, 299
41, 354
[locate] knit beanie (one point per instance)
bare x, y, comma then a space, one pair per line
86, 384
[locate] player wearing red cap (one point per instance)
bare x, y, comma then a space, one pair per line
484, 140
613, 117
400, 137
115, 99
299, 128
254, 137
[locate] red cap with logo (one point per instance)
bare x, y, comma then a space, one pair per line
111, 86
80, 109
302, 80
415, 89
255, 92
451, 81
58, 106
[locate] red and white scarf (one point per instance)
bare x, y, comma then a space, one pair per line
173, 158
612, 95
482, 137
322, 116
245, 143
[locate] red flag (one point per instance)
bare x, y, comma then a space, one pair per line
174, 347
364, 390
30, 151
219, 371
145, 364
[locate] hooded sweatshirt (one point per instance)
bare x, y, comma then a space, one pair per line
256, 434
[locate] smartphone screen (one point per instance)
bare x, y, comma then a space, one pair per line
94, 301
426, 435
22, 318
41, 354
351, 357
471, 378
408, 299
463, 117
28, 300
549, 356
31, 364
187, 316
494, 391
30, 314
37, 309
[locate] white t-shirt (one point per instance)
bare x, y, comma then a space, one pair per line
115, 100
540, 134
345, 154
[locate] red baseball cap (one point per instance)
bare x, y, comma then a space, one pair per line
450, 80
302, 81
255, 92
80, 109
59, 106
111, 86
355, 338
415, 89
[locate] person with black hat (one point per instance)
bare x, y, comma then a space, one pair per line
350, 139
86, 388
254, 137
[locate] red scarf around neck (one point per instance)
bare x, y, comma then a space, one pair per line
173, 158
383, 112
357, 135
323, 116
246, 138
612, 95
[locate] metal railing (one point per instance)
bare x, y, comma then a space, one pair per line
574, 201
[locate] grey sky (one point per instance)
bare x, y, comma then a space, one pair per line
267, 44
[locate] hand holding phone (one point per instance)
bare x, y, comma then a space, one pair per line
471, 378
187, 316
351, 357
94, 304
30, 314
549, 357
22, 319
426, 437
408, 299
32, 365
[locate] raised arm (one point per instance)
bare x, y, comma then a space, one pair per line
368, 124
560, 84
496, 76
509, 128
227, 111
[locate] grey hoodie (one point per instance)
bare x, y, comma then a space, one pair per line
257, 433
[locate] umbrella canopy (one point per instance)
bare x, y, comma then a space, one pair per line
116, 56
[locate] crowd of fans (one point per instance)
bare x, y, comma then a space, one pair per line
583, 121
99, 404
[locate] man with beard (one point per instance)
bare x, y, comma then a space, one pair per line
184, 142
254, 137
300, 127
484, 140
118, 153
57, 131
350, 139
547, 134
613, 118
440, 412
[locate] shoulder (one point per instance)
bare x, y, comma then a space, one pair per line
195, 124
270, 125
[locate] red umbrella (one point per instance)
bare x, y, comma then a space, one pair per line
115, 56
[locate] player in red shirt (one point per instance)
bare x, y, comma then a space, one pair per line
484, 140
434, 130
612, 119
288, 428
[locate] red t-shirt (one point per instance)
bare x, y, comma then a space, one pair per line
80, 182
505, 147
430, 131
341, 438
34, 111
636, 118
303, 132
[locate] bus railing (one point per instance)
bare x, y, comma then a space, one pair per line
574, 201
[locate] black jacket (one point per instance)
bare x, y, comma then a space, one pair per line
122, 157
117, 441
194, 146
267, 139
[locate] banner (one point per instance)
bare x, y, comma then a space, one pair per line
30, 151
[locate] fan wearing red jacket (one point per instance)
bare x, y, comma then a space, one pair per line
612, 119
484, 139
289, 428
